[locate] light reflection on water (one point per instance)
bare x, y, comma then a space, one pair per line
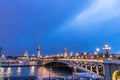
40, 72
18, 70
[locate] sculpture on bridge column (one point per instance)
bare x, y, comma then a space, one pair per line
38, 52
85, 55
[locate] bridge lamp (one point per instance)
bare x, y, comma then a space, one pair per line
97, 49
96, 55
81, 57
61, 55
49, 72
111, 56
107, 48
92, 57
77, 54
71, 53
85, 53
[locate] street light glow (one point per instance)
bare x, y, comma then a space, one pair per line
97, 49
106, 47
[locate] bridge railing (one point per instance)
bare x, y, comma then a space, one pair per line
70, 59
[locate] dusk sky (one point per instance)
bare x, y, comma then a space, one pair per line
78, 25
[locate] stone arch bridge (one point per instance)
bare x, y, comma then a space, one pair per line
92, 66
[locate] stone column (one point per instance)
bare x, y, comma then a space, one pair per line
86, 66
91, 68
97, 70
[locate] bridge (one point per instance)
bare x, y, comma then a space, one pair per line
107, 65
91, 66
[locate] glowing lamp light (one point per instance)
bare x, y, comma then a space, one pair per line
95, 53
85, 53
71, 54
77, 54
97, 49
106, 47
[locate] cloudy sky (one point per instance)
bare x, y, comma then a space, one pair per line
54, 24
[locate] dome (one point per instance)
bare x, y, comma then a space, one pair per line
26, 54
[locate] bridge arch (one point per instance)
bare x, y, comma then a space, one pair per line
69, 64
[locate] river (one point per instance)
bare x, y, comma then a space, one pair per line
40, 72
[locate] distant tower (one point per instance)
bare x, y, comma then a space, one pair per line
38, 51
65, 53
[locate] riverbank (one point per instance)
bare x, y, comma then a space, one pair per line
17, 65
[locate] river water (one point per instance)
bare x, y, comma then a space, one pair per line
40, 72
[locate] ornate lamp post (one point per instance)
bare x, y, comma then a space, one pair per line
85, 55
49, 72
95, 55
77, 54
106, 48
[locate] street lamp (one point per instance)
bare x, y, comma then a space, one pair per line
71, 54
49, 72
97, 49
77, 54
85, 55
95, 55
107, 48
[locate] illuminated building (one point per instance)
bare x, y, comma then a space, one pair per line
26, 56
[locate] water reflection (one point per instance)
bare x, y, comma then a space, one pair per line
8, 72
44, 72
32, 70
40, 72
1, 69
19, 70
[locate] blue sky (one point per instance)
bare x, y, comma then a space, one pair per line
54, 24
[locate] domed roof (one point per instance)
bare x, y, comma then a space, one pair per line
26, 54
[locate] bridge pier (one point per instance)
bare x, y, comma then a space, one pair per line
86, 66
74, 69
91, 68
